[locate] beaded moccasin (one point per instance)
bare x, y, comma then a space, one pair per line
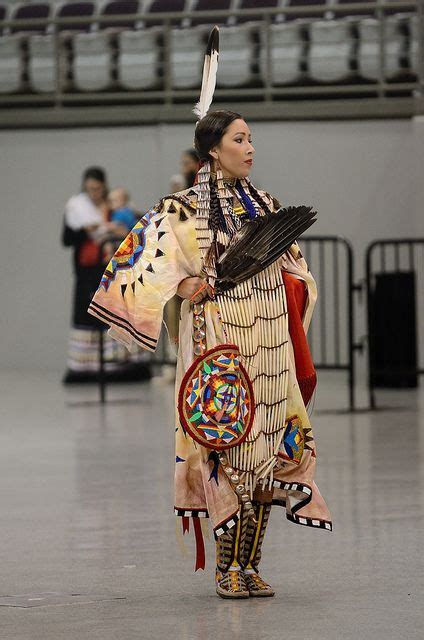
256, 586
231, 584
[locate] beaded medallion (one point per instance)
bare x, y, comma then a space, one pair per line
216, 404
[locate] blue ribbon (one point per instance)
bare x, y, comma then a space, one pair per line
248, 204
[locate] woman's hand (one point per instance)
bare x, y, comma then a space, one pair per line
194, 289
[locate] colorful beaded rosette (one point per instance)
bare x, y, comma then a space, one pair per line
216, 404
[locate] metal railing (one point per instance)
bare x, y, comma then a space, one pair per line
331, 335
391, 256
266, 92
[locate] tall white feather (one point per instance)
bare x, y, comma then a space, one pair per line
210, 68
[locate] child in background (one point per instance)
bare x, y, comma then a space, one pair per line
123, 218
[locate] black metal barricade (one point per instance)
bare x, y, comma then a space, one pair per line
332, 332
394, 274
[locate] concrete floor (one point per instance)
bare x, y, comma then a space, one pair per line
88, 534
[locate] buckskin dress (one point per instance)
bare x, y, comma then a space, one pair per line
165, 247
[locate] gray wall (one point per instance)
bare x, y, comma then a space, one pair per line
364, 178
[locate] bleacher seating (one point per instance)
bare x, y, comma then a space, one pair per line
42, 65
76, 10
207, 5
138, 59
95, 52
11, 64
236, 56
414, 45
187, 48
287, 53
353, 12
119, 8
92, 61
238, 61
306, 47
188, 44
293, 4
36, 11
165, 6
3, 14
13, 53
331, 51
255, 4
369, 48
140, 54
396, 11
395, 48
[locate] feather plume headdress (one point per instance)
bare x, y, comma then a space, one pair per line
204, 232
210, 67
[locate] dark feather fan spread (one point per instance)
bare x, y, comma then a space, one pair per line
259, 243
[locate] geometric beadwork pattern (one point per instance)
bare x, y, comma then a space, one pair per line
310, 522
255, 535
295, 440
129, 251
225, 526
191, 513
215, 402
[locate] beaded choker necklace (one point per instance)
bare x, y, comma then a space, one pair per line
228, 182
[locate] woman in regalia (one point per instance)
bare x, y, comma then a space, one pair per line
244, 372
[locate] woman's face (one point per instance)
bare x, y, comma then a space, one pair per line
234, 153
95, 190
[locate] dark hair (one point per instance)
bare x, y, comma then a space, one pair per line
192, 153
94, 173
210, 130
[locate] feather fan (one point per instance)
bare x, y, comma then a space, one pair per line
210, 67
259, 243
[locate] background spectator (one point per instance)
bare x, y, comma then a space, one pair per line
88, 224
